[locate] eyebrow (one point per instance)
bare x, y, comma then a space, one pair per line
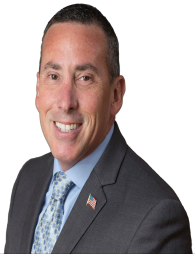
86, 66
52, 65
82, 67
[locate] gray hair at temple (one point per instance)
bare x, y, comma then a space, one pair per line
87, 14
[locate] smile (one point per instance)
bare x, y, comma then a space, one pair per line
67, 127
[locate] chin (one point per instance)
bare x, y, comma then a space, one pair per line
66, 159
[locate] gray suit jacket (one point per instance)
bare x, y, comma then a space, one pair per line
136, 211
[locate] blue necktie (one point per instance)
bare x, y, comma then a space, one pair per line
49, 226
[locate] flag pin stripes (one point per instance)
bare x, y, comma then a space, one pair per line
91, 201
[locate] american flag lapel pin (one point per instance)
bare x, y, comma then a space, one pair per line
91, 201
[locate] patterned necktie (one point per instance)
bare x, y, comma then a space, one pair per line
49, 226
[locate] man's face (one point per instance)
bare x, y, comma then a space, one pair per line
74, 95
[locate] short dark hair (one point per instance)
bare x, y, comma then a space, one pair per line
87, 14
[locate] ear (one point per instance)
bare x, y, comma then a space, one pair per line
117, 94
37, 92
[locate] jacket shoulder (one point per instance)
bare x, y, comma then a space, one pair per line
38, 160
34, 165
145, 179
32, 170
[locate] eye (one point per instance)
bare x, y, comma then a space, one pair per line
85, 78
53, 76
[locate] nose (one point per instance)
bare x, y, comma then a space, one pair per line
67, 99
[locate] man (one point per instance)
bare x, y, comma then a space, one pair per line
92, 193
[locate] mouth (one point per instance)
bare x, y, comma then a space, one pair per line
67, 127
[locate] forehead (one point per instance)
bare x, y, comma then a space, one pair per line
75, 37
75, 28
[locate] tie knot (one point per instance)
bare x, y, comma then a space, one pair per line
62, 185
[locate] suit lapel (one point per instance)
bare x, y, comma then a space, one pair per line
104, 173
35, 204
81, 216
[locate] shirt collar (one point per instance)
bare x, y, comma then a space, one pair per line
80, 172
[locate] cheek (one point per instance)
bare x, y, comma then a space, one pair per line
46, 103
46, 100
89, 103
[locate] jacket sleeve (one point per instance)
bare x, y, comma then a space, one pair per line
165, 229
8, 232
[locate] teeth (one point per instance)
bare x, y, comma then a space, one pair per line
67, 127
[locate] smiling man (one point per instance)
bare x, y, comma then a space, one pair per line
76, 100
92, 193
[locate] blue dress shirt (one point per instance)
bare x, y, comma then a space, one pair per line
78, 174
